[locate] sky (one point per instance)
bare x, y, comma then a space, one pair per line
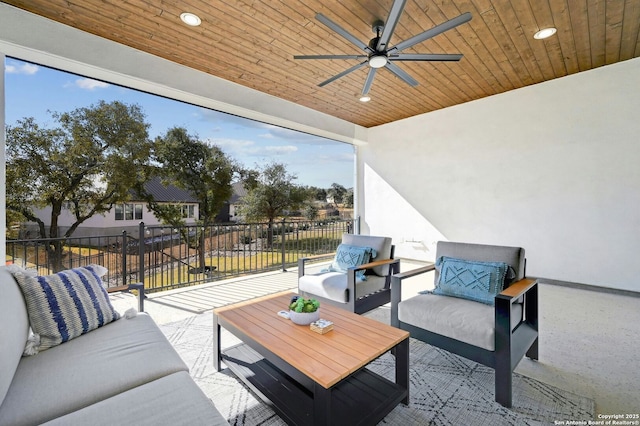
36, 91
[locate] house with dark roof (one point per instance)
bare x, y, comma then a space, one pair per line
127, 216
239, 192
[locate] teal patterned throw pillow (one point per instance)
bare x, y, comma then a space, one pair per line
348, 256
66, 305
473, 280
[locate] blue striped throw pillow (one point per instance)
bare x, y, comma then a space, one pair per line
66, 305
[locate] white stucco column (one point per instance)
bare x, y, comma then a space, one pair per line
3, 212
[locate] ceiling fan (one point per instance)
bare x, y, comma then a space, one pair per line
379, 55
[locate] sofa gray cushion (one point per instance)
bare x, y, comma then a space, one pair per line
15, 329
382, 245
170, 400
95, 366
464, 320
333, 285
65, 305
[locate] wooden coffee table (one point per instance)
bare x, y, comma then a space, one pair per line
310, 378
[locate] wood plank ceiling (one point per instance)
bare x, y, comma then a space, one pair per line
252, 43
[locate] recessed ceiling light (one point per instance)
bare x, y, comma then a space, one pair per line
365, 98
544, 33
190, 19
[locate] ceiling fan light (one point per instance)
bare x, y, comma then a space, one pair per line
378, 61
190, 19
365, 98
544, 33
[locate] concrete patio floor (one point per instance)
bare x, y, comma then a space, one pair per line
589, 341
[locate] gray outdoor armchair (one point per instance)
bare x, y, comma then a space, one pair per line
497, 335
358, 279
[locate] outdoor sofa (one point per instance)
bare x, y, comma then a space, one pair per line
123, 372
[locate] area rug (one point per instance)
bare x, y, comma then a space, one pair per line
444, 389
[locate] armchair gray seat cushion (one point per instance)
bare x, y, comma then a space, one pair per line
347, 290
333, 285
464, 320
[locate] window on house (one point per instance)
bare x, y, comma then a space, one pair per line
128, 211
188, 212
119, 212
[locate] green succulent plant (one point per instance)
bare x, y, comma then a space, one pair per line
301, 304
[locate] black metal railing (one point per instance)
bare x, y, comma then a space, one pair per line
165, 257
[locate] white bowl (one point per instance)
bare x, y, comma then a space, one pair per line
304, 318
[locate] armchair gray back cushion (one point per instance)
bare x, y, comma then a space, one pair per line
512, 256
382, 245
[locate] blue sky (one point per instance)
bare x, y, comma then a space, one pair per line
33, 91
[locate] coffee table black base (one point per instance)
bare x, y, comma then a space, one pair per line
364, 398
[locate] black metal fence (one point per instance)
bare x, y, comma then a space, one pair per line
167, 257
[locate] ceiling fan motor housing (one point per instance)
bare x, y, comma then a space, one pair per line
373, 43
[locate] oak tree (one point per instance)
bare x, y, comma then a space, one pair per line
85, 164
198, 167
270, 194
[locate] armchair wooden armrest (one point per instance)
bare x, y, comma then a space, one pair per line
517, 289
371, 265
127, 289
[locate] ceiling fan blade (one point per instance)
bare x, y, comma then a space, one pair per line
452, 23
330, 57
402, 74
425, 57
369, 81
390, 25
337, 28
342, 74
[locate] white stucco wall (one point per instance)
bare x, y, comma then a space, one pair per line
554, 168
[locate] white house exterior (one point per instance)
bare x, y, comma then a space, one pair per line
124, 216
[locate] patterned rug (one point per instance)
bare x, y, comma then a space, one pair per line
444, 389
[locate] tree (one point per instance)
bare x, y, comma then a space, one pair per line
348, 198
337, 192
86, 165
318, 194
311, 211
202, 169
270, 194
